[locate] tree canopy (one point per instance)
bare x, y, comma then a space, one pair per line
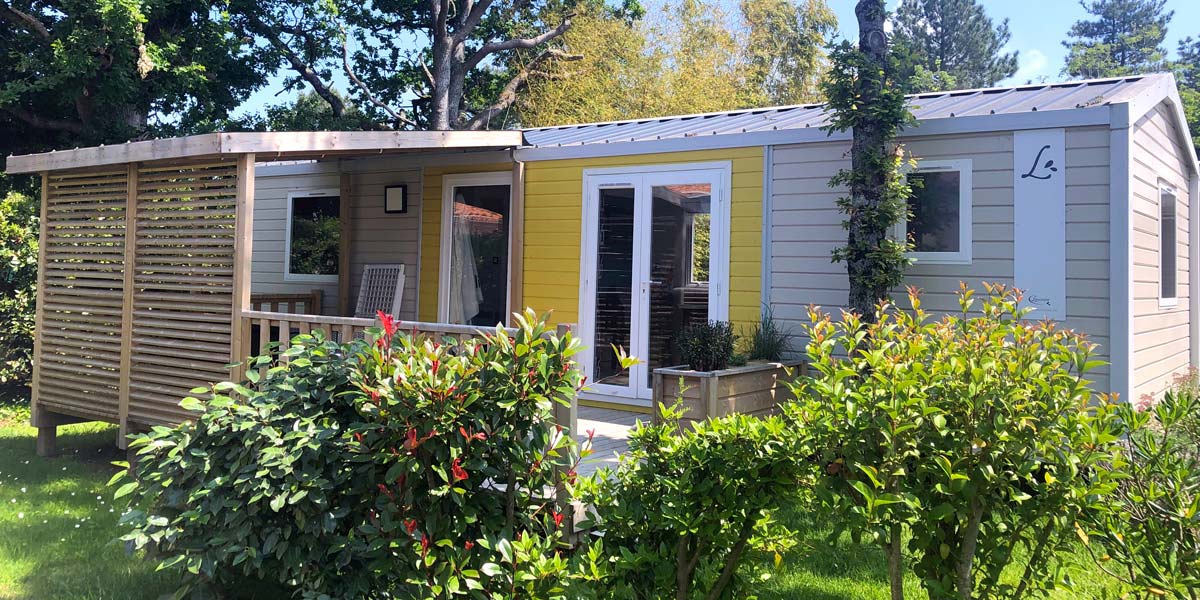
1124, 37
96, 71
952, 43
687, 56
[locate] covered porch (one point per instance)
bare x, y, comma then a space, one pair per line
151, 281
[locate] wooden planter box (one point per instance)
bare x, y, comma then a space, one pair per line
754, 389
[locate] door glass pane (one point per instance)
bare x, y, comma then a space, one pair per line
614, 284
679, 267
479, 255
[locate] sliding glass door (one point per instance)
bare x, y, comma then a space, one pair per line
655, 260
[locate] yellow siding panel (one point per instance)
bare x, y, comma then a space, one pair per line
554, 217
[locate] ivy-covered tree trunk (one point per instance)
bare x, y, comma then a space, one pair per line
865, 98
865, 159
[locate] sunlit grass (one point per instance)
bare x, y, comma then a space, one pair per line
58, 522
818, 570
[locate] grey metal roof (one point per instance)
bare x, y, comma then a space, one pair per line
938, 105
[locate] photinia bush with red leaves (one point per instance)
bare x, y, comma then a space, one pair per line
458, 445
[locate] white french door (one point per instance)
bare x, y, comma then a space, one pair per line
655, 258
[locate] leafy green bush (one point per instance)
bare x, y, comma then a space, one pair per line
18, 279
707, 346
969, 436
768, 340
259, 485
400, 468
1151, 538
685, 509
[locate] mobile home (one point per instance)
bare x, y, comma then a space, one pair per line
159, 257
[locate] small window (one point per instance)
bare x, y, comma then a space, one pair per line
1167, 246
313, 236
939, 223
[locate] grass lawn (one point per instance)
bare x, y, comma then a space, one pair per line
57, 526
817, 570
57, 521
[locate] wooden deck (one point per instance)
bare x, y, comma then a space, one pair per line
611, 437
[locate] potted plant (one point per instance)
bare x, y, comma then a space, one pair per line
716, 381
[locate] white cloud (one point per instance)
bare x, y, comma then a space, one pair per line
1032, 66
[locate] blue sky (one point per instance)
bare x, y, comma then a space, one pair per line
1038, 28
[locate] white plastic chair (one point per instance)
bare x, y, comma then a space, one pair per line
382, 288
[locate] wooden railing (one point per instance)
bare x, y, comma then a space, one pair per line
265, 328
309, 303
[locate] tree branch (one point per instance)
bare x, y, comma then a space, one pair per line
399, 117
306, 72
40, 122
508, 95
516, 44
25, 21
471, 21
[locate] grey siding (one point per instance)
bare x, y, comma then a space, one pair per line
806, 227
1161, 341
378, 237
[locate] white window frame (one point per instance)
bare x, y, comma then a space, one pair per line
449, 183
287, 238
965, 221
1165, 188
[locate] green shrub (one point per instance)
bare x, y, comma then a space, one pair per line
685, 509
768, 340
970, 437
402, 468
707, 346
259, 485
18, 279
1151, 538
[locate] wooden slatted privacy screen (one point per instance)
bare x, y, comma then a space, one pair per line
137, 301
182, 285
79, 340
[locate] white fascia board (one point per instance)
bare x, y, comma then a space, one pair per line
1079, 117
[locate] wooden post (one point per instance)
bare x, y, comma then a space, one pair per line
47, 441
243, 251
130, 264
345, 245
516, 242
567, 416
38, 327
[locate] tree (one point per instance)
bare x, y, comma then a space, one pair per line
1124, 38
440, 64
1187, 69
957, 38
690, 56
784, 45
865, 97
83, 72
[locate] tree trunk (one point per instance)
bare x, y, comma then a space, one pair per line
966, 557
869, 140
895, 564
